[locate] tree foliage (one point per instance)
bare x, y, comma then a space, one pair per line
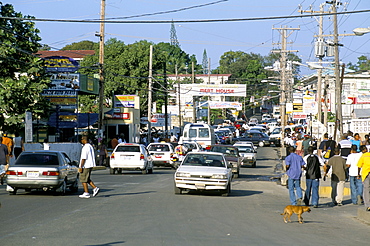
22, 76
82, 45
363, 64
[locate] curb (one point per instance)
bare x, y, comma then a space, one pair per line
99, 168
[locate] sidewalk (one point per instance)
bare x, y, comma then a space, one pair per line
325, 192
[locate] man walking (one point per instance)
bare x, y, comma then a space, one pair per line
87, 162
354, 179
4, 160
313, 176
338, 176
294, 164
364, 166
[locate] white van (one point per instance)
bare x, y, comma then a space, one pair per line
199, 132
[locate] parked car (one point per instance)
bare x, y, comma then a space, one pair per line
232, 156
256, 137
249, 154
130, 156
43, 169
204, 171
162, 154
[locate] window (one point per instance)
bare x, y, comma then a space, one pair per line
203, 132
192, 133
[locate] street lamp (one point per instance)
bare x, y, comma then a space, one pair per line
361, 31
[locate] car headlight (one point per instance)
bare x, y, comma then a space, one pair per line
182, 174
219, 176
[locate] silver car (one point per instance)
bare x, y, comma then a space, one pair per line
204, 171
43, 169
249, 155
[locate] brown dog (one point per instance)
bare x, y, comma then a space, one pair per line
299, 210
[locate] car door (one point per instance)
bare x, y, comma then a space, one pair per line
72, 170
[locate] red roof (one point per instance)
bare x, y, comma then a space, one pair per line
199, 75
75, 54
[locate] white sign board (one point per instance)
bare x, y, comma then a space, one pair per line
234, 90
28, 128
233, 105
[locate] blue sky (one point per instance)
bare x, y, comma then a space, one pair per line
216, 37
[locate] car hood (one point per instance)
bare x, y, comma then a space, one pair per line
202, 170
232, 158
247, 154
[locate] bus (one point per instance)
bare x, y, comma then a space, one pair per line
199, 132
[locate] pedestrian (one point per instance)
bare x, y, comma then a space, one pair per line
156, 138
121, 138
4, 160
322, 144
299, 146
114, 142
313, 176
357, 141
364, 165
18, 145
294, 164
173, 138
9, 144
366, 140
180, 150
103, 153
87, 162
338, 176
345, 146
305, 144
329, 147
354, 179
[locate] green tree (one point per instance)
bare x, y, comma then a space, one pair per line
22, 76
82, 45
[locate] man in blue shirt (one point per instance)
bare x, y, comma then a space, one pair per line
294, 164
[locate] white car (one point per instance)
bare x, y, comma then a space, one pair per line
162, 154
246, 143
132, 157
204, 171
249, 154
193, 146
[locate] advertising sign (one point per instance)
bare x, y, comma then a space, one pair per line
65, 81
233, 105
60, 64
235, 90
158, 120
309, 105
124, 101
64, 98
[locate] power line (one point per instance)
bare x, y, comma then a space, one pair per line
186, 21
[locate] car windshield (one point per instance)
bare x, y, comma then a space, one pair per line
228, 151
128, 148
159, 147
203, 160
245, 150
37, 159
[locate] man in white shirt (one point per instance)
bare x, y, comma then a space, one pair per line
87, 162
354, 180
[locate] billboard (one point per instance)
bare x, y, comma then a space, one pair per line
233, 105
235, 90
124, 101
60, 64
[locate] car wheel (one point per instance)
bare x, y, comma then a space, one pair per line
74, 186
261, 144
254, 164
61, 190
119, 170
112, 170
227, 191
178, 190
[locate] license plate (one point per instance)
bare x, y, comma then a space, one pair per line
125, 157
32, 174
158, 156
200, 186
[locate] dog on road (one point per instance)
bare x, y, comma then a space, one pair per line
298, 210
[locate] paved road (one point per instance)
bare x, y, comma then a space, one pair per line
136, 209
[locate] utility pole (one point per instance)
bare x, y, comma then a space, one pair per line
209, 98
150, 81
319, 71
101, 71
338, 86
283, 74
194, 97
165, 100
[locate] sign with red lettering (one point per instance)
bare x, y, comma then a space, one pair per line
235, 90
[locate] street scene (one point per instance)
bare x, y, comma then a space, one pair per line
136, 209
224, 122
